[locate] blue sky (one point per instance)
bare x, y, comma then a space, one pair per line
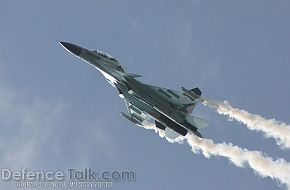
57, 112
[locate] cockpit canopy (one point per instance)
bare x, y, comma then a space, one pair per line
110, 60
104, 54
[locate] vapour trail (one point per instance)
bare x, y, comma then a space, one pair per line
270, 127
262, 165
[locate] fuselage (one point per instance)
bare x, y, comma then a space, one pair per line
146, 102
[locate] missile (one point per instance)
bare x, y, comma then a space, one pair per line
131, 118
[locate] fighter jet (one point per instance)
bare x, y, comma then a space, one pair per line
170, 109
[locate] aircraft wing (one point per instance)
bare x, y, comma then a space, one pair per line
175, 97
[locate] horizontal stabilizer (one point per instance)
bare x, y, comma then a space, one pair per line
196, 122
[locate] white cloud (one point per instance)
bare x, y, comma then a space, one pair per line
23, 126
35, 133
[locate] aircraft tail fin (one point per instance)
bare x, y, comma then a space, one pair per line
196, 91
193, 94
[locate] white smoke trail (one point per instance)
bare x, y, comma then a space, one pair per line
278, 170
161, 133
270, 127
263, 166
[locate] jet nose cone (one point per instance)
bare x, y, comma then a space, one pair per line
72, 48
